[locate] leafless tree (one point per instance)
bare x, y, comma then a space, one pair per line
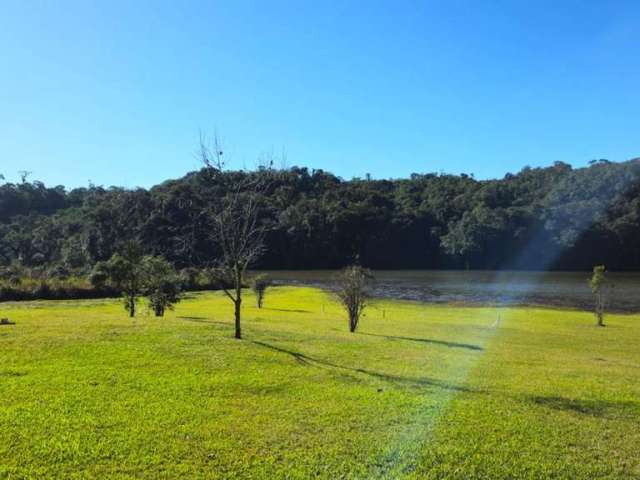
236, 227
24, 175
601, 288
353, 293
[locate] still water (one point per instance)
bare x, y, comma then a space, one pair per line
562, 289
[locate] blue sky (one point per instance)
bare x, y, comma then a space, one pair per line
116, 91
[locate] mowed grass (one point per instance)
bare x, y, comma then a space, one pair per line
420, 391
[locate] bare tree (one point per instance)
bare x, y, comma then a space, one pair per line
353, 293
600, 287
236, 228
24, 175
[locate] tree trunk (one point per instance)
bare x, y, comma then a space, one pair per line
600, 309
132, 307
353, 322
237, 317
238, 301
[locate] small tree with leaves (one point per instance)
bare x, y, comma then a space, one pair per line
352, 292
599, 286
259, 285
162, 284
126, 273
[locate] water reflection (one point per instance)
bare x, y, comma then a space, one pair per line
562, 289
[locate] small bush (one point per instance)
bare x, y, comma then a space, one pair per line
99, 276
42, 290
162, 285
353, 293
59, 271
189, 278
259, 285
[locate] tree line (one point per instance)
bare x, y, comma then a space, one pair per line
556, 217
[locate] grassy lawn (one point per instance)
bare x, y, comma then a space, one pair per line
420, 392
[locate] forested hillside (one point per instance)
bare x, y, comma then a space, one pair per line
540, 218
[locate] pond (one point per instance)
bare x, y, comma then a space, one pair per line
559, 289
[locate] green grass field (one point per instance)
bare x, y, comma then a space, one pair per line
420, 391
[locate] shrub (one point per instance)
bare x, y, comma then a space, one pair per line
353, 293
42, 290
59, 271
189, 278
161, 284
99, 276
259, 285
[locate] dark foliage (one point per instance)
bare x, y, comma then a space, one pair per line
542, 218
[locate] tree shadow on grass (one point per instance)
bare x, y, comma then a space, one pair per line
204, 320
289, 310
191, 295
408, 381
596, 408
12, 373
468, 346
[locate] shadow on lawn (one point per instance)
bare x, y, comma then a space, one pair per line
411, 381
290, 310
468, 346
204, 320
12, 373
596, 408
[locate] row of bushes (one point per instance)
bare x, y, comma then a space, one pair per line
44, 291
76, 287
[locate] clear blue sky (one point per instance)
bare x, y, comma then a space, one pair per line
116, 91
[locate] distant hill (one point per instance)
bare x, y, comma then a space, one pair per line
540, 218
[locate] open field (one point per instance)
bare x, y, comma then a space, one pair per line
420, 392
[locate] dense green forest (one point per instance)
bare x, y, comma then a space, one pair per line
540, 218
